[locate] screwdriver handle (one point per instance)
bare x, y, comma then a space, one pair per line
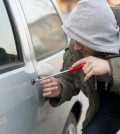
72, 69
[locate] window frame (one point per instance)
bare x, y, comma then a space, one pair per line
20, 63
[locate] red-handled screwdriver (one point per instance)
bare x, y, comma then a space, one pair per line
70, 69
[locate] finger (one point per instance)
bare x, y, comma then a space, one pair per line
87, 69
82, 61
85, 66
48, 85
52, 89
48, 94
42, 82
88, 75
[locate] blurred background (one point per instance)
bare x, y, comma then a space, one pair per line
67, 5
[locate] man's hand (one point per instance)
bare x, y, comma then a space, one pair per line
51, 87
93, 66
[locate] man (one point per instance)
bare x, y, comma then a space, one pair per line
93, 26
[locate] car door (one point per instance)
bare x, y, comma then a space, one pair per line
47, 44
18, 101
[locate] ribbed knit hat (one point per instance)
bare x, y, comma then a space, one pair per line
93, 24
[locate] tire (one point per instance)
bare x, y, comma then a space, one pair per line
71, 125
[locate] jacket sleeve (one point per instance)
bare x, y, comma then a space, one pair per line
115, 62
67, 82
115, 68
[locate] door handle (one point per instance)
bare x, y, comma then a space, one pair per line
33, 81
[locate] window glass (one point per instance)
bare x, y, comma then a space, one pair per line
8, 52
44, 26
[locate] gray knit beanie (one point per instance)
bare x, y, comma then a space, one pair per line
92, 23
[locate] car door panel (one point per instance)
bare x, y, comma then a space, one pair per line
46, 63
37, 29
18, 101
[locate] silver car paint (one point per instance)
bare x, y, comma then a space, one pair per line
24, 110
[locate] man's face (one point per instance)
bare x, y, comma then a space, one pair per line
84, 50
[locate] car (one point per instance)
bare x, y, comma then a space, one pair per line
32, 45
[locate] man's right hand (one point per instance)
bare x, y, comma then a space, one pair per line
93, 66
51, 87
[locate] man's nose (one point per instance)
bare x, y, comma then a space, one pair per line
78, 46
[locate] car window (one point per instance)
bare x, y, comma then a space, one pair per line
8, 51
44, 26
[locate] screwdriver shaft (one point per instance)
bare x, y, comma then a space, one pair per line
70, 69
52, 75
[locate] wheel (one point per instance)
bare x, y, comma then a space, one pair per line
71, 124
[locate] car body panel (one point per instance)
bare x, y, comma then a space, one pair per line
23, 109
